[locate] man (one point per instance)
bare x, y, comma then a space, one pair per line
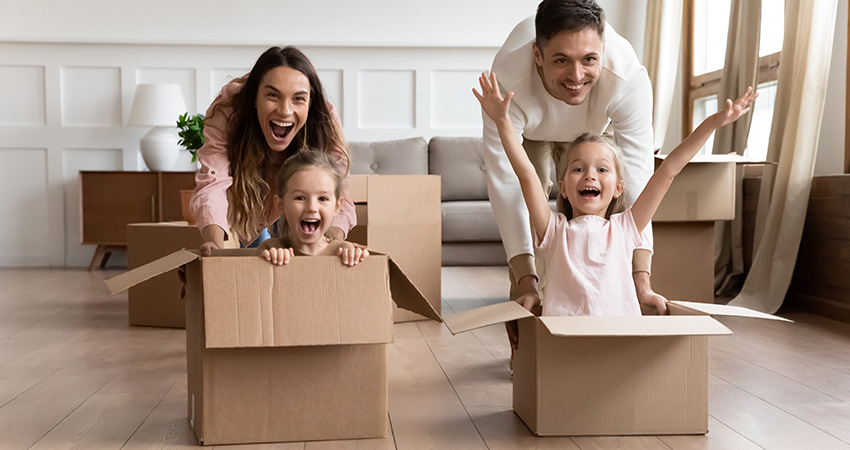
570, 74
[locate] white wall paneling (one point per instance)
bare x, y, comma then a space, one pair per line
22, 92
91, 96
452, 102
332, 81
24, 207
386, 99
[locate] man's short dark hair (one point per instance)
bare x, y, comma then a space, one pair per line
554, 16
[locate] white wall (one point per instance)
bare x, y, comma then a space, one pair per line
477, 23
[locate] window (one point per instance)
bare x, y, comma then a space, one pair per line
706, 27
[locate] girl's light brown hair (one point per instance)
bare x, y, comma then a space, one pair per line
618, 204
305, 160
247, 149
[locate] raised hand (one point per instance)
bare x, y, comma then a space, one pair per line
492, 102
734, 110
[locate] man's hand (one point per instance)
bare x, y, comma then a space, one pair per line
528, 298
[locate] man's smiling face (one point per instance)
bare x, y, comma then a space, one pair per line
570, 63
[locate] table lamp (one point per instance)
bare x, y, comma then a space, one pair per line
158, 105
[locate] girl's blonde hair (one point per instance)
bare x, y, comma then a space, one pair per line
301, 161
618, 204
247, 149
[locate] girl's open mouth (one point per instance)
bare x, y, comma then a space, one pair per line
589, 192
309, 226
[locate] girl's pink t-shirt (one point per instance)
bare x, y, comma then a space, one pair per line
209, 203
588, 268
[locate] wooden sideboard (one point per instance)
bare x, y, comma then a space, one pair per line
111, 200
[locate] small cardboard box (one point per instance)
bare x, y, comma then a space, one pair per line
591, 375
157, 302
400, 215
286, 353
703, 191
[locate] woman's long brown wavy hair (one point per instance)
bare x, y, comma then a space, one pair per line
247, 149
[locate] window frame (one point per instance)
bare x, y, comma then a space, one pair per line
698, 86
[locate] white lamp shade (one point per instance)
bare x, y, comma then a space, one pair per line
157, 105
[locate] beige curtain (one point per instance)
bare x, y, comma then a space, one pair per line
801, 94
661, 58
740, 70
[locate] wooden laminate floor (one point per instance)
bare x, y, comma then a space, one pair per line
73, 374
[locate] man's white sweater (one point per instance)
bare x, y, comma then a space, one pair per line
622, 97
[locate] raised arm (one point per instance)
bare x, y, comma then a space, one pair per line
496, 107
648, 201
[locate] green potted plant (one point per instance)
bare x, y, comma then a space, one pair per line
190, 128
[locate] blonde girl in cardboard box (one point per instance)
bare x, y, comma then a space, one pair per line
308, 192
588, 243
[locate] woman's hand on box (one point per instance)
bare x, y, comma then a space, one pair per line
352, 255
278, 256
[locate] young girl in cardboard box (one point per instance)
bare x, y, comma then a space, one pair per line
309, 188
588, 244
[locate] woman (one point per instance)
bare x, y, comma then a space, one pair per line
251, 128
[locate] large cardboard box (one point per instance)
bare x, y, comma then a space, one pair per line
400, 215
683, 226
286, 353
157, 302
591, 375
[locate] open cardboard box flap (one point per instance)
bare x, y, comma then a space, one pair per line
251, 303
686, 318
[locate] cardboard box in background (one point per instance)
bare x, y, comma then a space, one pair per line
683, 226
286, 353
157, 302
683, 260
592, 375
400, 215
703, 191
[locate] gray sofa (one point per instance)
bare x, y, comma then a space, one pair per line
470, 235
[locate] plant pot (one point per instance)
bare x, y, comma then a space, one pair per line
185, 196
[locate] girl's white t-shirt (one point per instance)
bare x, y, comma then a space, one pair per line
589, 265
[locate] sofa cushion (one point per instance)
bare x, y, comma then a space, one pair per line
459, 161
469, 221
397, 157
